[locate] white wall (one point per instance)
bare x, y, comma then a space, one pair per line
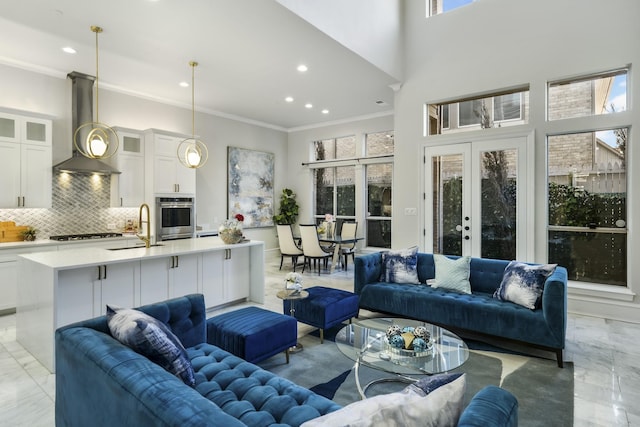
33, 92
371, 28
495, 44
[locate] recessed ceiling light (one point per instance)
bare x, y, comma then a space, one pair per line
68, 49
302, 68
183, 84
308, 105
289, 99
325, 111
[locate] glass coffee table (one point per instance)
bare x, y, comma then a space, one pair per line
365, 343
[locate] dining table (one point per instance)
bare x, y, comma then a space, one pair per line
337, 242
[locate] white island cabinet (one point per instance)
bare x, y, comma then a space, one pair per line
62, 287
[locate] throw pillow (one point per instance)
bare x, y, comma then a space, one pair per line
410, 407
523, 284
151, 338
452, 274
400, 266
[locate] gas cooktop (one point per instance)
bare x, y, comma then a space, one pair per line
89, 236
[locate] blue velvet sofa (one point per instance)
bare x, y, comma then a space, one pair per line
479, 312
100, 382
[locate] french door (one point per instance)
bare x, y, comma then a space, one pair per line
476, 199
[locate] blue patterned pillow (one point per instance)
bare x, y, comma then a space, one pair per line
400, 266
151, 338
452, 274
523, 284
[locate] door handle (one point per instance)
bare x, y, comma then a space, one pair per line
104, 272
466, 237
177, 261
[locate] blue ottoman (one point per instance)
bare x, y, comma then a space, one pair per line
253, 333
324, 307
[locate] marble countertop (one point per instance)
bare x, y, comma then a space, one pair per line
92, 256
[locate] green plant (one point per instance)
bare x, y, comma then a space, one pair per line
288, 211
29, 234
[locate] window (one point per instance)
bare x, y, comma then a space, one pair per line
505, 108
338, 175
469, 112
587, 96
335, 186
379, 178
435, 7
587, 194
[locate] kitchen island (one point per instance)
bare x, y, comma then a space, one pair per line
65, 286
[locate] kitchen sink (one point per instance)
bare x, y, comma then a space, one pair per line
134, 247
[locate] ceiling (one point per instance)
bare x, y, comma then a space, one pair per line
247, 51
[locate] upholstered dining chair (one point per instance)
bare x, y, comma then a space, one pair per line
348, 232
288, 246
311, 247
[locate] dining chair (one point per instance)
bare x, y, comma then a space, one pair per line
311, 247
288, 246
348, 232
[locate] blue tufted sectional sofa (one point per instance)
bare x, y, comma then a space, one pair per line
100, 382
544, 327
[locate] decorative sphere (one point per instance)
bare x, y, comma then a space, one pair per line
408, 329
422, 332
396, 341
419, 344
393, 330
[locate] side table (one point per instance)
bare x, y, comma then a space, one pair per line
292, 296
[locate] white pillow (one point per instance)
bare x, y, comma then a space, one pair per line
407, 408
452, 274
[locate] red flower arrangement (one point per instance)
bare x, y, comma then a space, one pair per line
239, 217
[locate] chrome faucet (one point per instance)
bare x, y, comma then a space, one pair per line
146, 239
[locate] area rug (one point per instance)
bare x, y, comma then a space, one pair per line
544, 391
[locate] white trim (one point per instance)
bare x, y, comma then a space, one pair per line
600, 291
341, 121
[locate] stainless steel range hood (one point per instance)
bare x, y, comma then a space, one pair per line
82, 112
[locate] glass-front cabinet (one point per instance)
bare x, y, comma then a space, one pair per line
25, 150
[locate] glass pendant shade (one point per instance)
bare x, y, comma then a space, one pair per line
192, 152
96, 140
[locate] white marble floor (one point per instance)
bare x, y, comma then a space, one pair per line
604, 353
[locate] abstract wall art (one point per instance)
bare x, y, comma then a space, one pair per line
250, 181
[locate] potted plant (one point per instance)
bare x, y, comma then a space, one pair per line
29, 234
288, 212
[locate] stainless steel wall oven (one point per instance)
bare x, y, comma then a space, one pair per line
175, 218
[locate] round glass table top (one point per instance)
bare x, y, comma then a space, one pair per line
366, 342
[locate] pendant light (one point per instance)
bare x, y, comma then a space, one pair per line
101, 141
192, 152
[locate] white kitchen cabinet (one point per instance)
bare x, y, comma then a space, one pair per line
9, 276
236, 274
25, 150
8, 289
127, 187
168, 277
212, 278
169, 175
87, 290
225, 276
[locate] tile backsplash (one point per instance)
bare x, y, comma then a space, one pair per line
80, 205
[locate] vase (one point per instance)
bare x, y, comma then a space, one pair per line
231, 236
